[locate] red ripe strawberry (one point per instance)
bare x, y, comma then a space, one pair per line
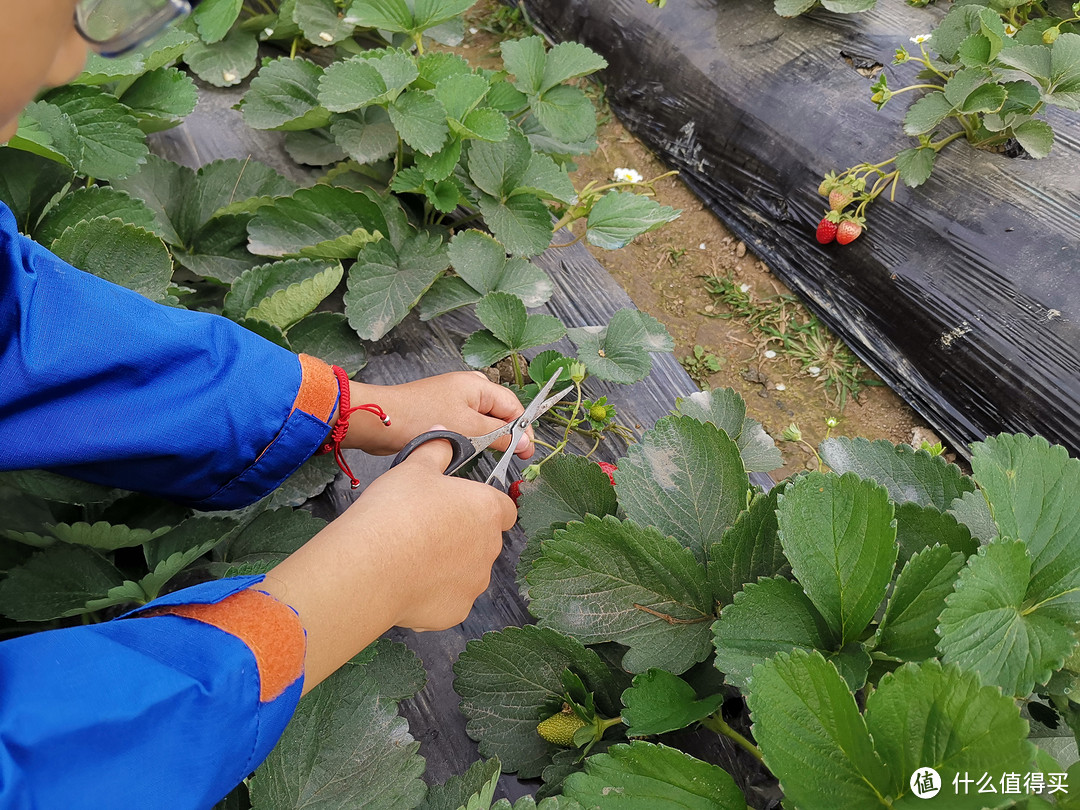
515, 491
848, 231
609, 469
826, 230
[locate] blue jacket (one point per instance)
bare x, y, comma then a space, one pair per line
101, 384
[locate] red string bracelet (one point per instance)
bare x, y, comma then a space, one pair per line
337, 435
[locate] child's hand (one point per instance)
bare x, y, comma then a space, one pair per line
464, 401
415, 550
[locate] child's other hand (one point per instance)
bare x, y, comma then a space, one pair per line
463, 401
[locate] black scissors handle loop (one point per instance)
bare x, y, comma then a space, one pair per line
464, 449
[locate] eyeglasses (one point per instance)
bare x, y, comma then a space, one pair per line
114, 27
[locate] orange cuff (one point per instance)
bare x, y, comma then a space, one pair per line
270, 629
318, 388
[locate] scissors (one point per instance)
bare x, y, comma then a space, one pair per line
466, 448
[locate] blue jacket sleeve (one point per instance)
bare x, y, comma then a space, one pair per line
99, 383
159, 712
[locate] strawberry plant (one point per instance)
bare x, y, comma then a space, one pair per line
888, 615
988, 73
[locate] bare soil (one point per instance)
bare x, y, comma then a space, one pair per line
664, 272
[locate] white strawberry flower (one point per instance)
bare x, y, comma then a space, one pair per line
627, 176
1011, 30
920, 39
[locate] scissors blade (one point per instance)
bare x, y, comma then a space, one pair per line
536, 409
539, 406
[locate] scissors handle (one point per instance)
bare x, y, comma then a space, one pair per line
463, 446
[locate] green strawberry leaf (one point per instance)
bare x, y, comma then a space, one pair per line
660, 702
186, 202
569, 60
113, 146
374, 78
59, 488
522, 223
474, 788
47, 131
915, 165
840, 537
215, 18
420, 120
941, 717
993, 626
548, 180
793, 8
118, 252
686, 479
908, 629
442, 164
345, 745
328, 336
499, 168
269, 538
314, 147
161, 99
773, 616
526, 60
57, 582
925, 114
28, 184
972, 511
566, 113
620, 216
434, 66
908, 474
803, 713
102, 536
321, 222
285, 96
568, 489
481, 262
1034, 491
919, 527
619, 352
90, 203
653, 776
510, 680
283, 294
307, 482
1037, 138
388, 15
748, 549
727, 410
321, 22
608, 580
365, 135
225, 63
508, 329
387, 282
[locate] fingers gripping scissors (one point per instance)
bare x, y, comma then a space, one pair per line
466, 448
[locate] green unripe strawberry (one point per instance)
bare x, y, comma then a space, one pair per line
1050, 35
559, 729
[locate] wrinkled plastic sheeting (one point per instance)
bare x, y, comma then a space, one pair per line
963, 294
